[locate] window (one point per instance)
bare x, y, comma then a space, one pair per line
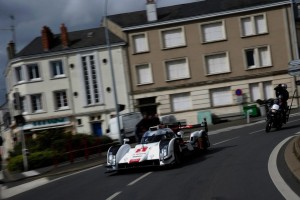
173, 38
254, 92
177, 69
61, 100
23, 104
36, 102
258, 57
57, 68
181, 101
140, 43
253, 25
33, 72
19, 74
213, 32
263, 90
91, 80
218, 63
144, 74
221, 96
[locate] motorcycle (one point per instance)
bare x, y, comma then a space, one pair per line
275, 115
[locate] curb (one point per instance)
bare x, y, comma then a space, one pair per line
292, 156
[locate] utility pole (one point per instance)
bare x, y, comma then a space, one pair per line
112, 72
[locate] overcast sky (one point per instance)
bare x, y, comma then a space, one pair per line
31, 15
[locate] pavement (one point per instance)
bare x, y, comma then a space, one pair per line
291, 154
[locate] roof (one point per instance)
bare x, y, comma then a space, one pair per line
189, 10
77, 40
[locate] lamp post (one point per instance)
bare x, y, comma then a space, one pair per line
112, 70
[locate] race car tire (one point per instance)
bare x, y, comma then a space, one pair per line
177, 155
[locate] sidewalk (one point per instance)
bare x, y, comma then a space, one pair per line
292, 157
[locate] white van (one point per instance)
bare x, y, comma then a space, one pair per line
128, 122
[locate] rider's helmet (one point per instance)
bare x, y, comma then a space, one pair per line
284, 86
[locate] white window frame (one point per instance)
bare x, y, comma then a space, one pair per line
59, 69
253, 25
175, 71
213, 31
93, 95
19, 74
221, 96
39, 103
61, 98
144, 74
218, 60
261, 90
168, 38
33, 69
181, 102
256, 57
140, 43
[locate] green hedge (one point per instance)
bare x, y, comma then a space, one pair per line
51, 148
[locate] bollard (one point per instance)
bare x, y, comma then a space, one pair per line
248, 116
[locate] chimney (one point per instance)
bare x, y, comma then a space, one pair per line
64, 36
11, 50
151, 11
47, 38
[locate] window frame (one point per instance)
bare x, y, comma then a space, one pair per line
134, 46
206, 66
150, 73
61, 99
163, 42
227, 90
33, 69
40, 106
202, 32
168, 78
19, 72
54, 68
253, 25
257, 57
188, 106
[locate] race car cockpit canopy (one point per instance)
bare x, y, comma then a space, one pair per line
157, 135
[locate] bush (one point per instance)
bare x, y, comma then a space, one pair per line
15, 163
52, 147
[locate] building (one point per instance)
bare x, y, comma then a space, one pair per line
64, 81
209, 58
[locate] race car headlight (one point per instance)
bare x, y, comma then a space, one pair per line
164, 151
111, 159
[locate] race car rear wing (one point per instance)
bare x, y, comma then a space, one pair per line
203, 124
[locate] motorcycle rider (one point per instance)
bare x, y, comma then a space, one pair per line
283, 95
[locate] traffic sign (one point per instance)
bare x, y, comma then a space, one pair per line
238, 92
294, 68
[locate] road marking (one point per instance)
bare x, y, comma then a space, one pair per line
138, 179
23, 188
278, 181
256, 131
114, 195
225, 141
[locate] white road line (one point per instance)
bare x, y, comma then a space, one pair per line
256, 131
225, 141
278, 181
22, 188
114, 195
138, 179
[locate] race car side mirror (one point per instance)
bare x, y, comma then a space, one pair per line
125, 140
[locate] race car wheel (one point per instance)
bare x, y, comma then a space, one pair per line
177, 155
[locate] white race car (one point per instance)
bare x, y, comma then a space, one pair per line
158, 147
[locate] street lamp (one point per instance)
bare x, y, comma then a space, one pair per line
112, 70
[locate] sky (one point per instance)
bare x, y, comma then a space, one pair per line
31, 15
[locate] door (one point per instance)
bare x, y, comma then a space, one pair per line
97, 129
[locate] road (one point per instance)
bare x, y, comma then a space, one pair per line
237, 166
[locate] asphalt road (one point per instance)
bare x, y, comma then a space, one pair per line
237, 166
